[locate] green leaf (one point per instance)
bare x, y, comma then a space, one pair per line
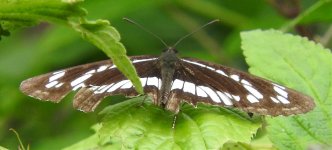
107, 38
259, 143
2, 148
136, 125
21, 13
88, 143
299, 64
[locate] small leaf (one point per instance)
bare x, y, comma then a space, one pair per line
134, 125
22, 13
107, 38
300, 64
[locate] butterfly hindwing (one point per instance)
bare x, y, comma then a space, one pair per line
93, 81
220, 85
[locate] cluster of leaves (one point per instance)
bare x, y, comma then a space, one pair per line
132, 125
270, 54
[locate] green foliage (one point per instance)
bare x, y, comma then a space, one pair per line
136, 125
299, 64
48, 47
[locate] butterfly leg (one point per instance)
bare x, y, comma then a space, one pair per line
141, 104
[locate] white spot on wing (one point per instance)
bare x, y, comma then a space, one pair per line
177, 84
102, 68
274, 100
100, 87
127, 85
80, 79
280, 91
57, 72
159, 83
143, 81
59, 85
211, 93
279, 86
78, 86
195, 63
51, 84
228, 95
236, 97
252, 99
200, 92
243, 81
235, 77
56, 76
283, 100
103, 88
199, 64
189, 87
97, 88
225, 98
152, 81
208, 67
142, 60
117, 86
94, 87
253, 91
222, 73
91, 71
113, 66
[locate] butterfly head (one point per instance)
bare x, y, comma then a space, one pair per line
170, 50
169, 56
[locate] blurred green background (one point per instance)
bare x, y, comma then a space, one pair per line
47, 47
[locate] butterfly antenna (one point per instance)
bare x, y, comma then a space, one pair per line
200, 28
146, 30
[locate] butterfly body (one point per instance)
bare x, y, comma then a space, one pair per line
168, 62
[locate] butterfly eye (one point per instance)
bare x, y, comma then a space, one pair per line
165, 50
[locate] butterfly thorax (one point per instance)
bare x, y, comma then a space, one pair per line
167, 62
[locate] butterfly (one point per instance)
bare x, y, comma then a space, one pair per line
169, 80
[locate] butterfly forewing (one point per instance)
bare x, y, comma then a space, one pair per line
93, 81
220, 85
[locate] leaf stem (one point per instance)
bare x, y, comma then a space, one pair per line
299, 18
18, 138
